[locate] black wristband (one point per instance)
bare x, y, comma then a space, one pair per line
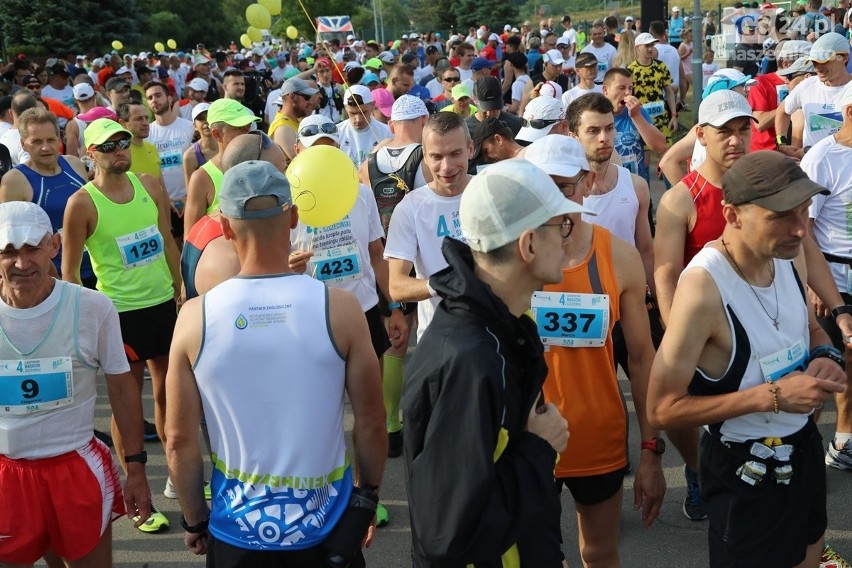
829, 352
840, 310
197, 528
141, 457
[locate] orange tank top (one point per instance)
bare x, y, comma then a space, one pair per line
582, 382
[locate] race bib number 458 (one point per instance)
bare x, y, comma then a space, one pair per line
571, 320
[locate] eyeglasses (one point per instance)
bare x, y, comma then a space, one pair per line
538, 123
314, 129
564, 186
112, 146
566, 227
452, 79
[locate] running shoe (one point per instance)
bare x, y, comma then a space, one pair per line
693, 508
395, 444
839, 459
830, 559
382, 517
170, 492
150, 432
156, 522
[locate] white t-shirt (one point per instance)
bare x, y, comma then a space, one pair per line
818, 104
571, 36
707, 70
669, 55
465, 74
359, 143
829, 164
417, 228
341, 251
171, 141
271, 108
12, 140
571, 95
421, 72
64, 96
329, 109
4, 126
604, 56
518, 86
179, 77
435, 87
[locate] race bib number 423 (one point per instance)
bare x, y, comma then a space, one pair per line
31, 385
571, 320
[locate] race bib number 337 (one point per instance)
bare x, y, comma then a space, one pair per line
571, 320
31, 385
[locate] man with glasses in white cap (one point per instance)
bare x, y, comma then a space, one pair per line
603, 282
123, 222
817, 96
56, 338
228, 118
359, 133
543, 116
744, 357
270, 514
481, 444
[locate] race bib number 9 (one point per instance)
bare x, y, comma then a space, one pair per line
338, 264
571, 320
31, 385
140, 248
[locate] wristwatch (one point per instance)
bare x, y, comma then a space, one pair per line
840, 310
656, 445
141, 457
197, 528
781, 140
394, 306
829, 352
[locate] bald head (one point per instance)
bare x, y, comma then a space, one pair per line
253, 146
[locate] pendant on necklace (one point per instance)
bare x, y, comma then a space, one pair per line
775, 323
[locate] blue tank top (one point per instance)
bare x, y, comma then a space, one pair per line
51, 193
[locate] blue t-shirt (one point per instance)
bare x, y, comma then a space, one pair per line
532, 58
629, 143
675, 27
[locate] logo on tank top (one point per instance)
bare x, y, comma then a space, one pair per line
241, 322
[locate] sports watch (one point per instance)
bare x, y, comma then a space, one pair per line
656, 445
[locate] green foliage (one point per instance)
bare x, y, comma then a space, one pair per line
495, 13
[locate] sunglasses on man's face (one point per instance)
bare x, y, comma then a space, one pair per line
452, 79
113, 145
314, 129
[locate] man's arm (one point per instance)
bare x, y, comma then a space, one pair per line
672, 163
77, 225
397, 326
643, 238
286, 138
403, 286
72, 142
199, 194
671, 101
183, 414
649, 486
669, 245
15, 187
164, 224
652, 136
782, 119
821, 283
126, 405
765, 119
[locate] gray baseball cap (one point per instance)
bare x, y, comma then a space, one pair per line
251, 179
296, 85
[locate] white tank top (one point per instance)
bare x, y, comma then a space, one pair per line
760, 352
272, 382
47, 395
617, 209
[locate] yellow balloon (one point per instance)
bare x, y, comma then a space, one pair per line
273, 6
245, 40
159, 47
324, 185
258, 17
292, 32
117, 45
254, 34
172, 44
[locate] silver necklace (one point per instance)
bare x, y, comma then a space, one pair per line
753, 291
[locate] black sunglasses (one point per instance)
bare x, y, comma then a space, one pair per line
112, 146
538, 124
452, 79
314, 129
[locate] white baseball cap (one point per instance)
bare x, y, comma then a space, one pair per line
721, 106
23, 223
198, 109
645, 39
506, 199
540, 116
83, 92
827, 46
324, 127
553, 56
363, 93
793, 49
558, 155
198, 84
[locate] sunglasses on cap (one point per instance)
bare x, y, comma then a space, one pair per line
538, 123
314, 129
113, 145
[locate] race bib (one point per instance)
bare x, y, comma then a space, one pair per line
571, 320
171, 161
601, 68
848, 279
631, 162
782, 91
337, 264
655, 109
140, 248
784, 361
31, 385
822, 119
